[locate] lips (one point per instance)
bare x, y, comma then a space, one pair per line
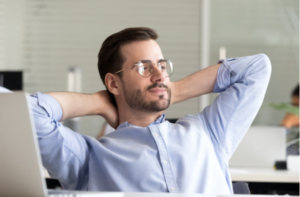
157, 90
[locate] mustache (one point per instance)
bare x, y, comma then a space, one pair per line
160, 85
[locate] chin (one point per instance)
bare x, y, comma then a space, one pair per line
147, 103
161, 105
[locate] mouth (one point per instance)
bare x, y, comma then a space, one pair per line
157, 90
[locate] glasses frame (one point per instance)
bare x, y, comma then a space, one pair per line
151, 73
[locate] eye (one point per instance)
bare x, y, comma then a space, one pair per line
162, 66
143, 69
147, 66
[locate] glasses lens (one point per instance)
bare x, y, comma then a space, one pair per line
166, 67
145, 68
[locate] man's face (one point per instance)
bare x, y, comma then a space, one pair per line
148, 94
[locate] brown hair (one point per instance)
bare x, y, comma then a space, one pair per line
110, 59
296, 91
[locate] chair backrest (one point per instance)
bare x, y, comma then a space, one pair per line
172, 120
240, 188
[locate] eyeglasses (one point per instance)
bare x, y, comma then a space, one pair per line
146, 67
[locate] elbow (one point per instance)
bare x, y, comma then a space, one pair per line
265, 63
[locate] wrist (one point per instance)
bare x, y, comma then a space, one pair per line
97, 104
174, 92
104, 107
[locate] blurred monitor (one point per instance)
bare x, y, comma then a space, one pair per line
260, 148
12, 80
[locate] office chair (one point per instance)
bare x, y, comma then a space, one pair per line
240, 188
172, 120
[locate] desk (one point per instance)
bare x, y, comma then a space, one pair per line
267, 180
144, 194
255, 175
264, 175
140, 194
46, 174
261, 181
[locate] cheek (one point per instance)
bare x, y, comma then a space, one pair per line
134, 85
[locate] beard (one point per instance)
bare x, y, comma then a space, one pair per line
136, 99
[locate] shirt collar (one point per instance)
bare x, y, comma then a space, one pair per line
159, 120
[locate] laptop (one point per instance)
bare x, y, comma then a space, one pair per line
260, 148
21, 171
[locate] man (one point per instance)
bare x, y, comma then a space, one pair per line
146, 153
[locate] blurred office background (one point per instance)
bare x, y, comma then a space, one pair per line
44, 38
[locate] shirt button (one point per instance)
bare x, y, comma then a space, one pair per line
172, 188
155, 135
165, 162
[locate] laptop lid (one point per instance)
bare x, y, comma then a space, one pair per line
21, 171
260, 147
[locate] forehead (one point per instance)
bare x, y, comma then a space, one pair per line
141, 50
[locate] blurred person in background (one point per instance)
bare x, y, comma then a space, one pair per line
291, 122
106, 129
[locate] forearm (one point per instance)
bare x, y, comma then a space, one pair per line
196, 84
77, 104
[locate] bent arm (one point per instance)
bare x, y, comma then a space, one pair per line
242, 83
196, 84
64, 153
77, 104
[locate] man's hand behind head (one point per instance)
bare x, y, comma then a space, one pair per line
107, 110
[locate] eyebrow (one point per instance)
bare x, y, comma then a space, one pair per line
148, 61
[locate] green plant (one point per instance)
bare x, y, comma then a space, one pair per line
286, 107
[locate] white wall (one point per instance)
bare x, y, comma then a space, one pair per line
11, 35
253, 26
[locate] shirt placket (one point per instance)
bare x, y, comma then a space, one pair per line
164, 160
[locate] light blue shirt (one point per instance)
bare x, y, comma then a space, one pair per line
190, 156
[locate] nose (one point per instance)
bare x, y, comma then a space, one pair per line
157, 75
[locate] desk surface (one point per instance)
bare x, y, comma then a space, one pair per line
181, 195
264, 175
256, 175
142, 194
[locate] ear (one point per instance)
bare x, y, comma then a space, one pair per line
112, 83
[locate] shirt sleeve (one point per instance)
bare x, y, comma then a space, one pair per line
242, 84
64, 152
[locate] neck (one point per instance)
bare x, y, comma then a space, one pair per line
138, 118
